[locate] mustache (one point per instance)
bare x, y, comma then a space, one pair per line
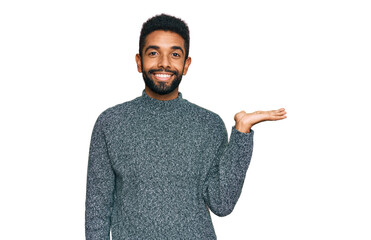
162, 70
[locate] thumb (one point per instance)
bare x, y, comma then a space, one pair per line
239, 115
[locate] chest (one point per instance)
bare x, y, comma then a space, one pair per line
150, 148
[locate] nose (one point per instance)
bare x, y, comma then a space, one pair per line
164, 62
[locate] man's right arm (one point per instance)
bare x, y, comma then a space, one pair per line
100, 187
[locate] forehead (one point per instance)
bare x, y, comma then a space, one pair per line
164, 39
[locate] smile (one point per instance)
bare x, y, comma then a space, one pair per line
162, 76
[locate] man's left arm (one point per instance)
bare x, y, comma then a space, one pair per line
227, 173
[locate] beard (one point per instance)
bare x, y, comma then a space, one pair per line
161, 88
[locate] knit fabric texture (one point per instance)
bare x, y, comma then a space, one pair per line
157, 167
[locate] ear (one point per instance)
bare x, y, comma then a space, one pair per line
186, 65
138, 59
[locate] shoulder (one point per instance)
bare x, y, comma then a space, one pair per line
209, 123
116, 113
204, 115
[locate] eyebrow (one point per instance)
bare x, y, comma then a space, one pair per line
157, 47
177, 47
151, 46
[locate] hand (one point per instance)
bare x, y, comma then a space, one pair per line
244, 121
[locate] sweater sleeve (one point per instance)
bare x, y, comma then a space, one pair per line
100, 187
227, 173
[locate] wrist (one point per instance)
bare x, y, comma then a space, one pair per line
245, 128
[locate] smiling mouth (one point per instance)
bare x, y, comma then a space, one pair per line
162, 77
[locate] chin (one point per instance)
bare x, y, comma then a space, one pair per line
162, 88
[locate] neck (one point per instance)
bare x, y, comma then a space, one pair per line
157, 106
165, 97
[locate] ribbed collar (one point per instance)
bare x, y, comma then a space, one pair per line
159, 106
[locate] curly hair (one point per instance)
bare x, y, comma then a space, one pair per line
167, 23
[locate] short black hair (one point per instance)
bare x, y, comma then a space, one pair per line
167, 23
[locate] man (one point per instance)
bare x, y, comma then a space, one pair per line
158, 163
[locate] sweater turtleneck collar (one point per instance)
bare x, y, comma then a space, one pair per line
160, 106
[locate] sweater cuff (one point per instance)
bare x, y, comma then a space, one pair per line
250, 133
241, 138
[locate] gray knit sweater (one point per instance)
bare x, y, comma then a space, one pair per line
156, 167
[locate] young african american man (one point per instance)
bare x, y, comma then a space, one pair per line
158, 163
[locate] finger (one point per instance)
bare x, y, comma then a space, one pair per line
278, 112
280, 117
281, 111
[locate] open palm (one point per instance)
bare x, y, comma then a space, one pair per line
244, 121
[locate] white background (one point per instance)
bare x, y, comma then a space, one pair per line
63, 62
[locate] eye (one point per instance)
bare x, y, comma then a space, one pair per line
152, 53
175, 55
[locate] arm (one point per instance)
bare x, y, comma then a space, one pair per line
100, 186
227, 173
231, 161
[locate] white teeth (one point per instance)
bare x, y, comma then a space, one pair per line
163, 75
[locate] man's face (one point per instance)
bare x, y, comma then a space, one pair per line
163, 61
